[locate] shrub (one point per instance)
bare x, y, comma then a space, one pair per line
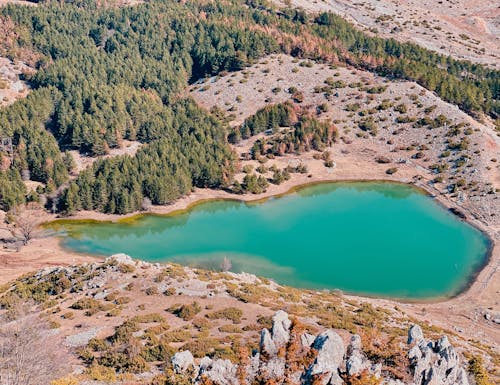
68, 315
230, 329
376, 89
401, 108
124, 332
87, 304
148, 318
101, 373
201, 347
125, 268
97, 345
122, 300
170, 291
231, 313
186, 312
152, 290
157, 352
476, 368
70, 380
391, 170
177, 335
368, 125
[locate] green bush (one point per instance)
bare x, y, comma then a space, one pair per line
186, 312
231, 313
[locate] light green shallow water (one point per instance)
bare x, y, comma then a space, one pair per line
367, 238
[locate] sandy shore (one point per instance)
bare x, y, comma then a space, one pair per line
464, 314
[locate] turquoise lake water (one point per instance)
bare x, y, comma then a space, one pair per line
378, 239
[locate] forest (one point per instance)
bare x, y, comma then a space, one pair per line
109, 74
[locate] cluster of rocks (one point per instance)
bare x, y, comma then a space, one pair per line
326, 360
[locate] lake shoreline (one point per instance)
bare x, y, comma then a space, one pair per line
185, 204
456, 313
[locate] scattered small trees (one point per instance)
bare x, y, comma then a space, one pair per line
29, 354
23, 222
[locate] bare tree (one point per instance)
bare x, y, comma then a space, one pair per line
29, 353
23, 222
226, 264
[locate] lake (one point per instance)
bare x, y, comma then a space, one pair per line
371, 238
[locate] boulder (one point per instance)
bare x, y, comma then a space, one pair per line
415, 334
182, 361
220, 372
273, 370
271, 341
267, 345
357, 361
120, 258
306, 340
330, 353
281, 328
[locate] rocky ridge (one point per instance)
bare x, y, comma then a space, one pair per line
325, 360
156, 324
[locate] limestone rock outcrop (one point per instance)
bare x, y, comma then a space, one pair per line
324, 359
434, 362
182, 361
325, 368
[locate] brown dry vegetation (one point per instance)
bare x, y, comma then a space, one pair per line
463, 29
116, 338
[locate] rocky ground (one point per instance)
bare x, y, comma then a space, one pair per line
141, 319
289, 355
349, 98
464, 29
11, 86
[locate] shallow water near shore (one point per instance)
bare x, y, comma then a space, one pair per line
370, 238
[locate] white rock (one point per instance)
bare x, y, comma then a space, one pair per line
415, 334
121, 258
182, 361
281, 328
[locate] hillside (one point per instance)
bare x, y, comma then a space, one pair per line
110, 110
466, 30
122, 83
128, 321
387, 123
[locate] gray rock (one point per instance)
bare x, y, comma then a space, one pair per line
355, 342
281, 328
101, 294
436, 363
274, 369
442, 344
221, 372
355, 364
267, 345
82, 338
415, 334
205, 362
306, 340
414, 354
357, 361
252, 369
120, 258
330, 348
431, 362
182, 361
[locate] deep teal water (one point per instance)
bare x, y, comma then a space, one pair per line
367, 238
